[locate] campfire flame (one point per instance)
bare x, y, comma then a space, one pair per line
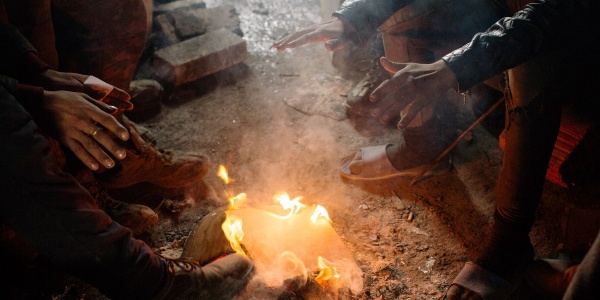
232, 228
238, 201
222, 173
293, 205
328, 276
320, 212
288, 262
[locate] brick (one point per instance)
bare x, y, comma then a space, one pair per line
178, 5
165, 30
224, 16
187, 25
199, 56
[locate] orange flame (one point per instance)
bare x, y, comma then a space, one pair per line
232, 228
238, 201
286, 203
222, 173
320, 212
327, 275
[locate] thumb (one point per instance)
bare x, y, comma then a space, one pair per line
335, 44
391, 66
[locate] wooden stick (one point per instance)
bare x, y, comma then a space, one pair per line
460, 138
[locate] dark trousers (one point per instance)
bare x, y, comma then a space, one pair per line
552, 88
47, 208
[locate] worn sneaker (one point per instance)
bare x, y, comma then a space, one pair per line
221, 279
146, 163
357, 103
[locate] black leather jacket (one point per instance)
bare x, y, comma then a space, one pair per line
571, 25
366, 15
467, 16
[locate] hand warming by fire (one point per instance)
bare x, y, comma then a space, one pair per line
292, 244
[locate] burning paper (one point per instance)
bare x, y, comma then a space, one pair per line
290, 242
286, 248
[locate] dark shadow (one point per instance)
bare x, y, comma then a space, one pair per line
370, 126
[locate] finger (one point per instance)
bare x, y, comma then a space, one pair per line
108, 121
105, 107
336, 44
91, 146
118, 103
111, 124
96, 87
84, 156
411, 112
79, 77
282, 43
382, 90
390, 66
308, 38
108, 142
120, 94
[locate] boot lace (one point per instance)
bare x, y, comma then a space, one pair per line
177, 264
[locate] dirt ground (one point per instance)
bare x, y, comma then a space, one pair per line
410, 242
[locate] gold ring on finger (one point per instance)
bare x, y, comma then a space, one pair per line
96, 130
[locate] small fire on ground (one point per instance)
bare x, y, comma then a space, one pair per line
293, 245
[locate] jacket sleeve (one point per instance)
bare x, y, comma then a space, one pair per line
18, 57
539, 27
366, 15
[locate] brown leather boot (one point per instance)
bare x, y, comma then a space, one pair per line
146, 163
221, 279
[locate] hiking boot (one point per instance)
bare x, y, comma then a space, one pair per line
142, 131
146, 163
146, 95
221, 279
357, 103
139, 218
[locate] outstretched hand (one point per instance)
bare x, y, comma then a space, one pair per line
85, 126
54, 81
333, 32
412, 87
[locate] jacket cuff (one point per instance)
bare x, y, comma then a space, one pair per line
30, 68
466, 74
33, 63
30, 97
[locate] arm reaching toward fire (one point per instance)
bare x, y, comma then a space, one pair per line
335, 33
412, 86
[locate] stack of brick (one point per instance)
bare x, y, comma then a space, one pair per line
195, 41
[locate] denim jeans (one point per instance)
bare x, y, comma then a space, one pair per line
47, 208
